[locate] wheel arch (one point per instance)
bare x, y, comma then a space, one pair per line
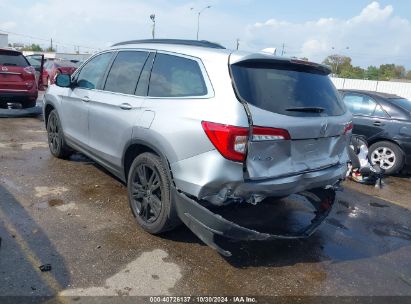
379, 139
48, 107
137, 147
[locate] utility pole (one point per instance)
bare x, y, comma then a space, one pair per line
282, 50
153, 18
238, 43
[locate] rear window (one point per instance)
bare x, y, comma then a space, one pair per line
12, 59
287, 89
403, 103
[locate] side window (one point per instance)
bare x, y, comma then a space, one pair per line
174, 76
91, 74
125, 72
359, 104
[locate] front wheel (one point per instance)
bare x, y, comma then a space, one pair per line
149, 194
387, 155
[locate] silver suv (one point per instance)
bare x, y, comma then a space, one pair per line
190, 125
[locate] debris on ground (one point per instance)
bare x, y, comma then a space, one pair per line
45, 267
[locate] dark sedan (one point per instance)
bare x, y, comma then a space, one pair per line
385, 121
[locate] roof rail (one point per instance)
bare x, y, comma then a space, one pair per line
202, 43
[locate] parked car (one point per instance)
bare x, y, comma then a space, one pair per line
17, 80
189, 125
54, 67
385, 121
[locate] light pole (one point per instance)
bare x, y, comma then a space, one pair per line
153, 18
198, 18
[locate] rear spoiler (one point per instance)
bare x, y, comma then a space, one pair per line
247, 59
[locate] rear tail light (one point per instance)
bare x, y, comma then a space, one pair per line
264, 134
348, 127
29, 70
231, 141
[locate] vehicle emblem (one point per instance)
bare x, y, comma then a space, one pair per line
324, 126
4, 69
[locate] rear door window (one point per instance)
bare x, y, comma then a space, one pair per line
8, 58
174, 76
360, 104
125, 72
93, 71
286, 88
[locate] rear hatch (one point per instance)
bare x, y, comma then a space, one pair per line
298, 121
16, 74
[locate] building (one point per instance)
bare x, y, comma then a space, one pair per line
4, 40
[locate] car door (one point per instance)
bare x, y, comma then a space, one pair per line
37, 61
116, 108
74, 116
369, 117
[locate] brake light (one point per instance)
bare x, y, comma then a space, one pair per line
29, 70
264, 134
230, 141
348, 127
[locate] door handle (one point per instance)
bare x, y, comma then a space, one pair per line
378, 123
86, 99
126, 106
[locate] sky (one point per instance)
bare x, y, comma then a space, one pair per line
370, 32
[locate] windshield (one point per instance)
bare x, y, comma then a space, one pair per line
403, 103
287, 89
12, 59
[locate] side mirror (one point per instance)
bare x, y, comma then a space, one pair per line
63, 80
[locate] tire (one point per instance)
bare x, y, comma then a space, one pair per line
387, 155
57, 144
149, 194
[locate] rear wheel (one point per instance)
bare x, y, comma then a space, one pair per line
387, 155
149, 194
57, 145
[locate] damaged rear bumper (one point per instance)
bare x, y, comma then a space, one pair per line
212, 178
206, 224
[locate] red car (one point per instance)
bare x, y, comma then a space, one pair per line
54, 67
17, 80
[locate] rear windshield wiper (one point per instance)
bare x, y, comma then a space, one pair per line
306, 109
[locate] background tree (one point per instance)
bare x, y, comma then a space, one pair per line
372, 73
337, 63
341, 67
33, 47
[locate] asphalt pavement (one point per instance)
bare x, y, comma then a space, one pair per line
74, 215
